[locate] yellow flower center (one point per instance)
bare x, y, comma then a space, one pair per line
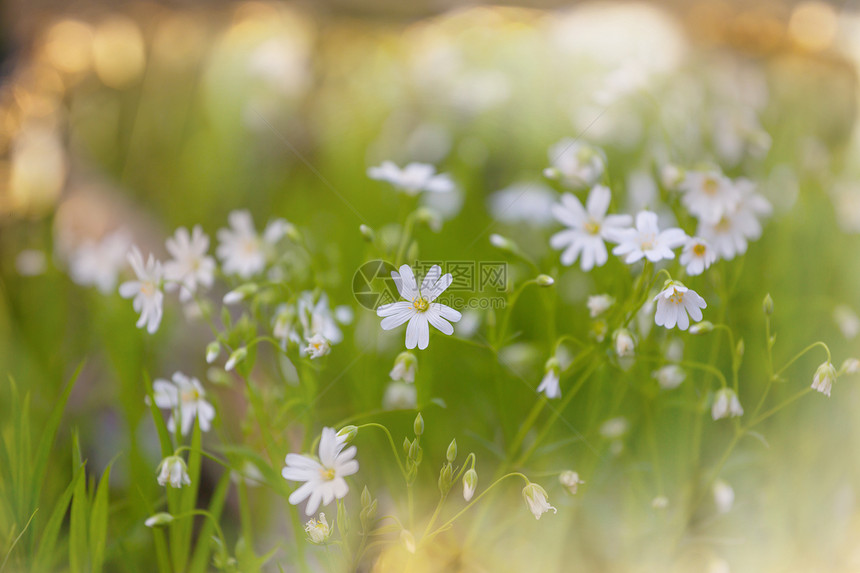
147, 288
420, 304
190, 395
327, 474
592, 227
677, 297
711, 186
723, 225
699, 250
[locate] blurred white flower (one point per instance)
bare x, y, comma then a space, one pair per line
737, 132
400, 396
549, 385
323, 477
587, 228
405, 366
284, 326
242, 250
536, 500
708, 195
847, 321
190, 267
697, 256
575, 163
529, 203
724, 496
646, 240
148, 299
850, 366
726, 404
318, 530
185, 398
824, 377
173, 471
99, 263
33, 262
316, 317
412, 179
318, 346
674, 303
730, 234
660, 502
419, 309
614, 428
598, 304
625, 346
570, 481
669, 376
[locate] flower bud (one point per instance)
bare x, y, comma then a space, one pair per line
365, 497
544, 280
158, 520
240, 293
408, 540
451, 454
470, 484
407, 445
236, 357
348, 434
213, 349
446, 479
502, 243
367, 233
418, 424
767, 305
703, 327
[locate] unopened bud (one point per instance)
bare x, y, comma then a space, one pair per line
470, 483
236, 357
158, 520
213, 349
451, 454
702, 327
418, 425
347, 433
544, 280
502, 243
240, 293
767, 305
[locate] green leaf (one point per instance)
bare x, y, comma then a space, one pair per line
78, 525
44, 557
203, 548
99, 523
160, 425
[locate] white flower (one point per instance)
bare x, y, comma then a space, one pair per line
724, 496
646, 240
697, 256
570, 480
730, 234
420, 310
726, 404
146, 290
708, 195
284, 326
824, 377
242, 250
847, 321
400, 396
235, 358
550, 383
324, 477
185, 397
850, 366
98, 263
470, 484
529, 203
33, 262
412, 179
536, 501
577, 164
316, 318
674, 303
158, 520
190, 267
598, 304
172, 470
318, 346
614, 428
318, 530
587, 226
404, 369
669, 376
624, 343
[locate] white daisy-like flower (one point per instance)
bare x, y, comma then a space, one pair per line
173, 471
549, 385
708, 195
674, 303
190, 267
670, 376
148, 299
536, 500
323, 477
242, 250
185, 398
412, 179
598, 304
646, 240
726, 404
575, 163
419, 309
697, 256
824, 377
318, 346
99, 263
730, 234
587, 226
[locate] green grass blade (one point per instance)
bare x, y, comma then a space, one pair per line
203, 548
44, 559
99, 523
79, 519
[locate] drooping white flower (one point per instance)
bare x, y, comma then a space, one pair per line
697, 256
726, 404
570, 481
400, 396
824, 377
646, 240
674, 303
598, 304
412, 179
99, 263
588, 227
724, 496
318, 346
190, 266
318, 530
549, 385
625, 346
185, 398
405, 366
729, 235
173, 471
323, 477
669, 376
419, 309
242, 250
536, 500
708, 195
148, 299
575, 163
470, 484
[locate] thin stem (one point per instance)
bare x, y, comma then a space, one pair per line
390, 441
